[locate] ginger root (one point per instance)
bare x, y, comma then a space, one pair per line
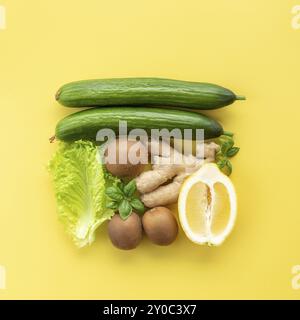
150, 183
150, 180
164, 195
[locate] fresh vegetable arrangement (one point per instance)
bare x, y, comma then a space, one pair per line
133, 196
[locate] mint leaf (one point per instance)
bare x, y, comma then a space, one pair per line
130, 189
125, 209
137, 205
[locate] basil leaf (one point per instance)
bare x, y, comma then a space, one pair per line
232, 152
229, 167
125, 209
227, 145
228, 133
221, 164
120, 187
130, 189
114, 193
112, 205
137, 205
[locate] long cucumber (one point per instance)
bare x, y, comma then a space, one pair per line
145, 92
85, 124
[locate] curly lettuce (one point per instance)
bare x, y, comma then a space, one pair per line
79, 183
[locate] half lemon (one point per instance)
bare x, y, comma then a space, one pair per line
207, 206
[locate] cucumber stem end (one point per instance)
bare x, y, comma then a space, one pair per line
52, 139
57, 95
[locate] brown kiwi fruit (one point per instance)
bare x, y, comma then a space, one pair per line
125, 234
128, 169
160, 226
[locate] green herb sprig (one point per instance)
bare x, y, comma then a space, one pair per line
227, 150
122, 198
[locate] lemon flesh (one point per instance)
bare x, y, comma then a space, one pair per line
207, 206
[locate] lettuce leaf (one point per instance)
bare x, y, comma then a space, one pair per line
79, 183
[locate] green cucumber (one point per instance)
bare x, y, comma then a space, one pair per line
145, 91
85, 124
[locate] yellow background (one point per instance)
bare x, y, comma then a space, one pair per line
246, 45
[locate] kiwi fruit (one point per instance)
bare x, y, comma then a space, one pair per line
125, 234
160, 226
